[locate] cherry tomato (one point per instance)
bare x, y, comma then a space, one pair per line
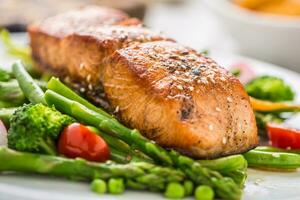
283, 137
77, 140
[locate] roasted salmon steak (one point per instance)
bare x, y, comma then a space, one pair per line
172, 94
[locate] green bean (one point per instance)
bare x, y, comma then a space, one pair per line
274, 149
272, 159
30, 89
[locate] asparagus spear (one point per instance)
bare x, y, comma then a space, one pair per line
10, 91
58, 87
6, 104
147, 175
31, 90
225, 187
226, 164
234, 166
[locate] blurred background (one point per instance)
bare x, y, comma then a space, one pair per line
268, 30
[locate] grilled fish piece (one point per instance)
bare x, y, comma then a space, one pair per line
180, 99
169, 92
73, 45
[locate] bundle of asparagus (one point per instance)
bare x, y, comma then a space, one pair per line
138, 175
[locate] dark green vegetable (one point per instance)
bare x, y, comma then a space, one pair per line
5, 114
272, 159
270, 88
34, 128
174, 190
146, 175
99, 186
225, 187
30, 89
116, 186
204, 192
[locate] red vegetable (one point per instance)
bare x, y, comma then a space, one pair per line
77, 140
283, 137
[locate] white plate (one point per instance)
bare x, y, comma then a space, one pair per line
260, 185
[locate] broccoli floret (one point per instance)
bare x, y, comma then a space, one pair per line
270, 88
35, 128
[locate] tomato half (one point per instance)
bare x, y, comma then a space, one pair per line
77, 140
283, 137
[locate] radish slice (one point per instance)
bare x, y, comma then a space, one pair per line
3, 135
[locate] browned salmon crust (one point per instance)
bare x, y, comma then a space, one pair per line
171, 93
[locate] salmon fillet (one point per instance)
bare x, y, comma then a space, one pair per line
172, 94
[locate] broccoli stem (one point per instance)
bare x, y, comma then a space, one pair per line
30, 89
55, 85
277, 160
48, 146
225, 187
146, 175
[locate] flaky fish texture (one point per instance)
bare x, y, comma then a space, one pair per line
172, 94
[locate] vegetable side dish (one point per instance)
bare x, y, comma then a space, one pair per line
48, 125
278, 7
